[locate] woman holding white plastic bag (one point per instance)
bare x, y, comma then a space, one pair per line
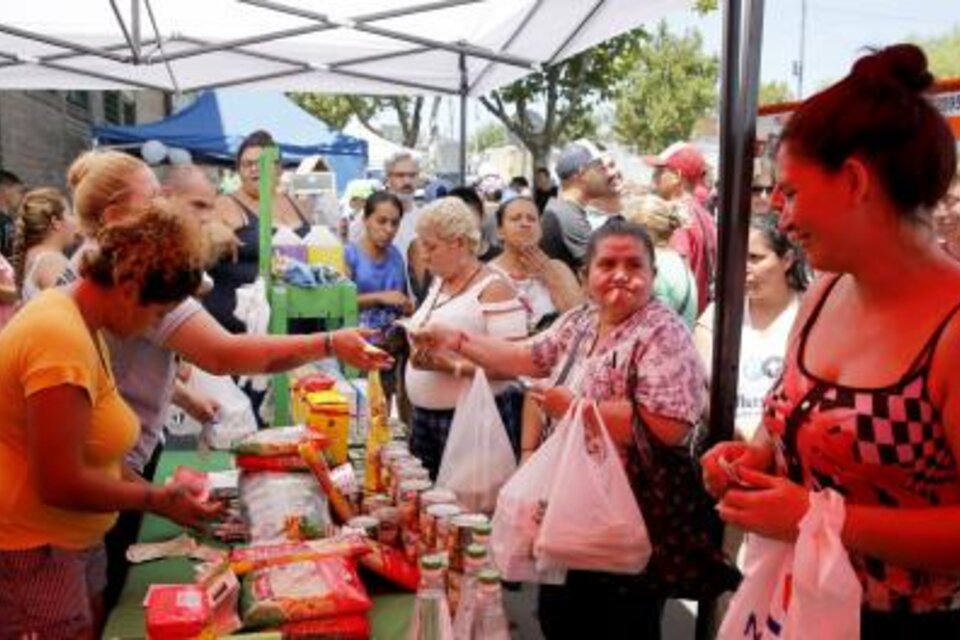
869, 401
622, 328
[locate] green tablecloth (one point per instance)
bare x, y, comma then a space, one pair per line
390, 616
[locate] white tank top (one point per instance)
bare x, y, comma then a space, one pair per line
533, 293
30, 288
507, 319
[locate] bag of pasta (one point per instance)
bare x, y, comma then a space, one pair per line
299, 591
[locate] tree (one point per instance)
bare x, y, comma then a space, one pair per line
774, 92
337, 110
671, 86
489, 135
566, 94
943, 53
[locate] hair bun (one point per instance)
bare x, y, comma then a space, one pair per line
903, 66
79, 169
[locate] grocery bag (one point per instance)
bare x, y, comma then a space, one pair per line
802, 590
478, 458
233, 422
592, 521
520, 509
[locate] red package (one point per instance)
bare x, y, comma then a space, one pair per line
299, 591
340, 628
271, 463
246, 559
316, 382
195, 481
391, 564
177, 611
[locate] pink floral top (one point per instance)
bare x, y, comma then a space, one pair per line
670, 377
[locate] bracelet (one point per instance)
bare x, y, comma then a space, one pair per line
328, 345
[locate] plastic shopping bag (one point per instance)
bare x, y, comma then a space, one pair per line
592, 521
478, 458
520, 509
234, 421
803, 590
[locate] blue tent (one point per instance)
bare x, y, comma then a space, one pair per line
213, 126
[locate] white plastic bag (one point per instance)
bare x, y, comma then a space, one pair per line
234, 421
803, 590
592, 521
478, 458
520, 508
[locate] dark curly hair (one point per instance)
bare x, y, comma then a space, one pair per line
798, 275
156, 247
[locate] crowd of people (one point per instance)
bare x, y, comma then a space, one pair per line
598, 288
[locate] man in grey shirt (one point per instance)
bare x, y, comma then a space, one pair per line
583, 177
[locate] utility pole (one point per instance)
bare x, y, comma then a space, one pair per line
798, 64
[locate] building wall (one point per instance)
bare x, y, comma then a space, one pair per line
41, 132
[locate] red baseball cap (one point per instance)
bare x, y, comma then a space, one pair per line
682, 157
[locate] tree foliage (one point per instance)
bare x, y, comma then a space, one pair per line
774, 92
489, 135
336, 110
943, 53
671, 86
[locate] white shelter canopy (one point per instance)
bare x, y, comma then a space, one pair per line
331, 46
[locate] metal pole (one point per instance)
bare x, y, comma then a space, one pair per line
135, 29
803, 48
464, 89
740, 82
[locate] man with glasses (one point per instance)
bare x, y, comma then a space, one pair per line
401, 171
584, 176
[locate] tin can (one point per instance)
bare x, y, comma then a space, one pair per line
388, 454
460, 536
396, 465
376, 501
437, 524
481, 534
408, 502
389, 519
437, 495
369, 525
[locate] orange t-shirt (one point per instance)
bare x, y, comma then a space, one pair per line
47, 345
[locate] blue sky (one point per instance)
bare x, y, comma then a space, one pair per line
837, 30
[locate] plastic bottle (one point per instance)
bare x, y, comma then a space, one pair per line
475, 560
489, 620
431, 613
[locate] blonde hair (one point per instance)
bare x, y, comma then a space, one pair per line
99, 179
448, 219
159, 249
661, 218
38, 211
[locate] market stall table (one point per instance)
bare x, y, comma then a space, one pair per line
390, 616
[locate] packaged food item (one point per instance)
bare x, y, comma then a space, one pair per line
299, 591
378, 432
279, 441
178, 612
224, 485
368, 525
223, 593
376, 501
284, 462
345, 479
354, 627
436, 525
389, 563
389, 518
460, 537
301, 386
328, 413
437, 495
243, 560
271, 501
390, 452
408, 501
194, 480
342, 510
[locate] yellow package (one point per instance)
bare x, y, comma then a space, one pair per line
378, 432
329, 414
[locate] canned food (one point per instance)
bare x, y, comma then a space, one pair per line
437, 523
396, 464
408, 501
437, 495
460, 536
376, 501
389, 518
388, 454
481, 534
369, 525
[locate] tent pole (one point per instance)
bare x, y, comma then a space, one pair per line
135, 29
742, 38
464, 88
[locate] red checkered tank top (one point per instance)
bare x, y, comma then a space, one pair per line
883, 446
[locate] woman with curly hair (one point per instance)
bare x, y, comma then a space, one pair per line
46, 229
65, 429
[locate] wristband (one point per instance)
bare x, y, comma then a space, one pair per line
328, 345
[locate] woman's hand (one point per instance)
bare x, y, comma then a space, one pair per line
395, 299
534, 260
771, 506
176, 502
554, 401
723, 463
436, 336
350, 346
201, 407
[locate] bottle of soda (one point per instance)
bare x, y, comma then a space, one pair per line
475, 560
489, 620
431, 613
